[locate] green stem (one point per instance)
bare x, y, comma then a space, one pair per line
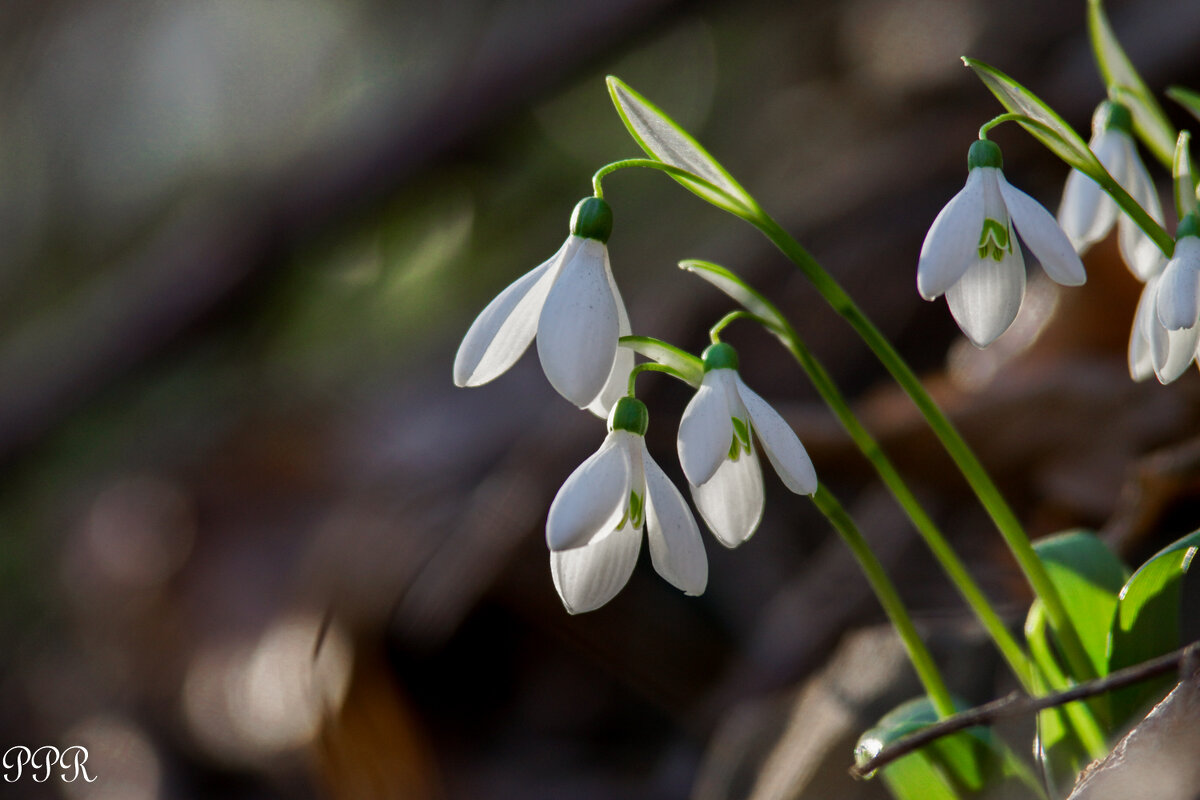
714, 333
1002, 515
650, 367
1007, 644
918, 654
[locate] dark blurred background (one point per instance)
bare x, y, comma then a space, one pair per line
254, 544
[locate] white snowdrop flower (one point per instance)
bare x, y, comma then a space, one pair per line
1087, 213
594, 528
571, 303
971, 254
716, 449
1154, 350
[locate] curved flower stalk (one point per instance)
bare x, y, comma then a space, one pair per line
1087, 213
971, 254
571, 304
594, 529
716, 449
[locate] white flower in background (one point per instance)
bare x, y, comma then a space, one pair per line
572, 305
594, 528
1154, 350
716, 449
971, 254
1087, 213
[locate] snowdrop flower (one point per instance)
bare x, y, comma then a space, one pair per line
971, 254
572, 305
594, 529
1087, 213
1154, 350
716, 449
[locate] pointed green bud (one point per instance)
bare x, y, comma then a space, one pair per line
1112, 116
984, 153
720, 356
592, 219
1188, 226
629, 414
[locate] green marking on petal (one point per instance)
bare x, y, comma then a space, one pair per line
635, 509
994, 240
741, 431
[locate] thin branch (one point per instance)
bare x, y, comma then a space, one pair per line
1185, 660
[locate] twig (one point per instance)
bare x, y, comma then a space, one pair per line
1185, 660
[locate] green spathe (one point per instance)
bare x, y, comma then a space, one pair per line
629, 414
592, 219
984, 153
720, 356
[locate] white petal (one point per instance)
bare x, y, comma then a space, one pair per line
986, 300
1180, 351
503, 330
577, 331
783, 448
618, 377
676, 549
588, 577
593, 499
706, 428
1140, 364
1139, 251
1178, 303
731, 502
950, 245
1087, 213
1041, 233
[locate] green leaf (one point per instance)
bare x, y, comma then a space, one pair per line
1149, 621
741, 292
1047, 126
1057, 744
1127, 87
1186, 98
663, 139
687, 367
1184, 176
955, 766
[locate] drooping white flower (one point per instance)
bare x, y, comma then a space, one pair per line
571, 303
716, 449
971, 254
594, 528
1154, 350
1087, 213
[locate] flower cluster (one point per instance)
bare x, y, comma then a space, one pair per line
571, 305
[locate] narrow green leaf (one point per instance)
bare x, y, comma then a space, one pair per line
1184, 175
1149, 620
1050, 129
1125, 85
741, 292
1187, 98
687, 366
663, 139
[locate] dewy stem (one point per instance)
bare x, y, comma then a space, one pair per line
981, 483
918, 654
1005, 642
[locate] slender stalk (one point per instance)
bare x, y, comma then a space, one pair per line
1007, 644
888, 597
714, 333
1002, 515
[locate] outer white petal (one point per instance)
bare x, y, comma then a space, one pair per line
676, 549
1139, 251
783, 448
986, 300
1172, 351
1141, 365
593, 499
588, 577
1041, 233
577, 330
953, 238
618, 376
1087, 213
706, 428
1178, 303
731, 502
503, 330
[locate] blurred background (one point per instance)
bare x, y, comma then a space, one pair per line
254, 544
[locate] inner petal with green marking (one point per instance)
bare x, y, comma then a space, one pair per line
741, 439
634, 512
995, 240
